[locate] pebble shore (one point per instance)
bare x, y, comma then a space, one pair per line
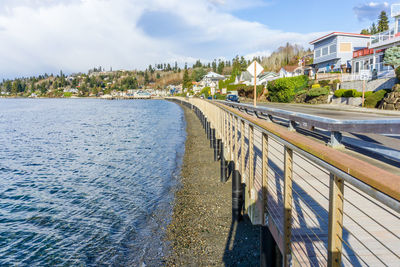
201, 232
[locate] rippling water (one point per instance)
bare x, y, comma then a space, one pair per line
86, 182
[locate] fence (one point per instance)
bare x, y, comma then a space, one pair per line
322, 206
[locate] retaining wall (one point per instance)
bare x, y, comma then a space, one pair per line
373, 85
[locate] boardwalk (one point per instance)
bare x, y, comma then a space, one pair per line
318, 214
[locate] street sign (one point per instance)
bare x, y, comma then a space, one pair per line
257, 68
365, 75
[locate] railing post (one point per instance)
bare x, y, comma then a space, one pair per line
265, 177
242, 153
336, 187
251, 164
288, 200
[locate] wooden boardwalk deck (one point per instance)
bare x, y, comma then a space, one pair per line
371, 235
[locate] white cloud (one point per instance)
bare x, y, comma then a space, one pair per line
371, 10
76, 35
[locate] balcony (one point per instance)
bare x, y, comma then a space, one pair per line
385, 38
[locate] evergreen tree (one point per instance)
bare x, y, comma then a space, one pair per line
214, 65
392, 56
373, 29
383, 22
186, 79
365, 31
221, 66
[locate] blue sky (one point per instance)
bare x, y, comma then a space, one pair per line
38, 36
316, 16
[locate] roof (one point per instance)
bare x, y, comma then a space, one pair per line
291, 68
340, 33
214, 75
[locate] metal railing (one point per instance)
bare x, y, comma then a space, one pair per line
322, 206
310, 122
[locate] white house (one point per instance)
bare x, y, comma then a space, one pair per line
262, 79
211, 79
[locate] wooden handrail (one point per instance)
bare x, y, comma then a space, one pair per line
383, 181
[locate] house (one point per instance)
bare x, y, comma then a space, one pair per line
211, 79
334, 51
265, 77
291, 71
391, 37
196, 87
71, 90
262, 79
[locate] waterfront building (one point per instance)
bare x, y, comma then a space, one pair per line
334, 51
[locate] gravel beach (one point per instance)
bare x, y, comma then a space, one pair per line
201, 232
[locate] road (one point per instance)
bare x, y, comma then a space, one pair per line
375, 148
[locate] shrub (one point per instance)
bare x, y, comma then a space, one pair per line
301, 92
324, 83
373, 99
314, 92
340, 92
67, 94
367, 94
284, 89
398, 72
205, 91
351, 93
317, 85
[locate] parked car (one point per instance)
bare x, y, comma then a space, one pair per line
233, 98
210, 97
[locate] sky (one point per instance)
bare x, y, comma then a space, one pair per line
46, 36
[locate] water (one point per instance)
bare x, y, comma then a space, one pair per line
87, 182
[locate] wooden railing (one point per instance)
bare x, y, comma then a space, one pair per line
322, 206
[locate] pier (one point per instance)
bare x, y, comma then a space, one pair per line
316, 205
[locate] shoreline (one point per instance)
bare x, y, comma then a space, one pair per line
201, 231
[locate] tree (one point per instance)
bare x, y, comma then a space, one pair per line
186, 79
383, 22
373, 29
365, 31
198, 74
221, 66
392, 56
146, 78
214, 66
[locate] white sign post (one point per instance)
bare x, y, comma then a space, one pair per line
364, 76
255, 69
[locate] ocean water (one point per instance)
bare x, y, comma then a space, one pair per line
87, 182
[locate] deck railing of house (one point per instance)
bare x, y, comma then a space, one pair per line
322, 206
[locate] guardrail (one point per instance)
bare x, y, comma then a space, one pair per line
322, 206
310, 122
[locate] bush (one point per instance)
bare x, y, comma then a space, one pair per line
398, 72
340, 92
348, 93
205, 91
67, 94
367, 94
284, 89
375, 98
324, 83
314, 92
301, 92
317, 85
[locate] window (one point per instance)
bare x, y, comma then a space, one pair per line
345, 47
332, 49
325, 51
357, 70
317, 53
